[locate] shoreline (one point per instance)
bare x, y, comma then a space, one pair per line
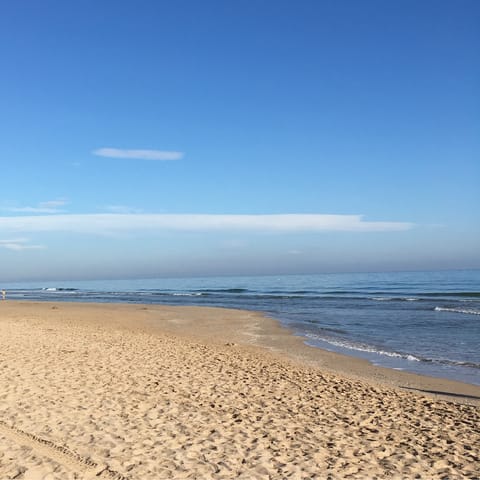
139, 392
266, 332
271, 335
411, 336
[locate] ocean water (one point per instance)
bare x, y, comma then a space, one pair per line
423, 322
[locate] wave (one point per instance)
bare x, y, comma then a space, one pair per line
313, 294
223, 290
468, 311
197, 294
59, 289
417, 294
452, 294
363, 348
292, 292
252, 295
333, 330
395, 299
403, 356
343, 292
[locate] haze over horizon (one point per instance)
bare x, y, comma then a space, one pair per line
223, 138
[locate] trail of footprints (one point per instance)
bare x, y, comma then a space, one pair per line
62, 455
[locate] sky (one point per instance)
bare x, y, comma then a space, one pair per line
156, 138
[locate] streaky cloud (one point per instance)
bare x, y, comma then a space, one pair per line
109, 223
51, 206
123, 209
34, 210
138, 154
19, 244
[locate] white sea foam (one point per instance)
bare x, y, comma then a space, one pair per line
412, 358
187, 294
399, 299
469, 311
363, 348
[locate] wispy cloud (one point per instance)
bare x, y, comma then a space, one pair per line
138, 154
51, 206
18, 244
108, 223
122, 209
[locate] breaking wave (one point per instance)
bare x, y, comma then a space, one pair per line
468, 311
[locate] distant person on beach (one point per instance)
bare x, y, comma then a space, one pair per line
4, 294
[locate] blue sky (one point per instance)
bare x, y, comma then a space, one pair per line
156, 138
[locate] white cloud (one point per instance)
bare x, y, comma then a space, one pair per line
122, 209
18, 244
53, 203
51, 206
108, 223
138, 154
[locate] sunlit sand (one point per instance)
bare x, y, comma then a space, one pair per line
149, 392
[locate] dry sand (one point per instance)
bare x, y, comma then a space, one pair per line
148, 392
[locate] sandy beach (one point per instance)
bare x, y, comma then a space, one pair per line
144, 392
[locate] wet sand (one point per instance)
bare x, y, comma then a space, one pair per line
151, 392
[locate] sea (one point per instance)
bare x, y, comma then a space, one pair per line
422, 322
